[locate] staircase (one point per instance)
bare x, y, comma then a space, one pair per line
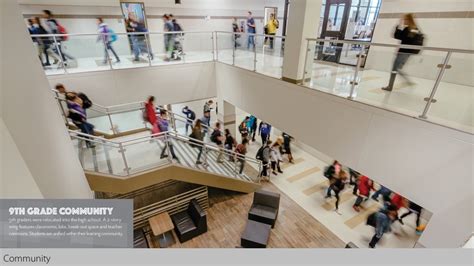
134, 163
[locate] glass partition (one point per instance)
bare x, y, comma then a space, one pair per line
454, 97
226, 42
245, 56
196, 46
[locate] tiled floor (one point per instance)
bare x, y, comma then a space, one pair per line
305, 184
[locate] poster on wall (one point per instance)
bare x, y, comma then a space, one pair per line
133, 13
135, 21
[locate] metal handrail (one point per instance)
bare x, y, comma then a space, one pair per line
252, 34
415, 47
170, 134
106, 110
116, 33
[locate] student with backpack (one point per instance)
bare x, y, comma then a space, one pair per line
263, 154
56, 28
107, 36
229, 142
218, 139
271, 27
190, 115
382, 222
365, 185
243, 130
337, 186
331, 173
163, 125
241, 149
264, 131
197, 134
408, 33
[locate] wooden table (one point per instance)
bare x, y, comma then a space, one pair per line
161, 224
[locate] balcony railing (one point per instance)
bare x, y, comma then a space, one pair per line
437, 85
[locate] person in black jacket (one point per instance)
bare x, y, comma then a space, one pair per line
409, 34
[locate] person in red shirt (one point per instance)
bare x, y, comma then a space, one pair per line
150, 115
398, 201
364, 187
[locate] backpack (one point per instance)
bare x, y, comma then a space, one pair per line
192, 115
277, 24
239, 149
242, 128
259, 155
328, 171
62, 30
215, 136
86, 102
418, 39
372, 220
113, 35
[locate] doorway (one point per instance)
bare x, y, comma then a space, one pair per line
346, 20
333, 27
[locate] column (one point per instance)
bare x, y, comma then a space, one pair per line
32, 117
229, 118
303, 22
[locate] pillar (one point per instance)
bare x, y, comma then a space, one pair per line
303, 22
31, 114
229, 118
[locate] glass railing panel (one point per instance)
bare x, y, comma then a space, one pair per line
218, 162
245, 53
127, 121
350, 52
195, 46
180, 123
130, 49
225, 43
165, 48
82, 53
322, 71
250, 171
48, 54
454, 97
410, 84
98, 155
187, 152
270, 56
146, 153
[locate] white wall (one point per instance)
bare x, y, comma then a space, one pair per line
16, 179
439, 32
169, 84
428, 164
32, 118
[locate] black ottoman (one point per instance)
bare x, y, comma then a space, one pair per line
255, 235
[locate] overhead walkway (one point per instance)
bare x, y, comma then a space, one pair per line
439, 90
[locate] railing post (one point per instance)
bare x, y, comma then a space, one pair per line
215, 47
148, 48
106, 50
114, 131
168, 149
61, 107
234, 47
354, 82
254, 54
204, 153
306, 61
107, 157
182, 46
435, 87
60, 54
122, 151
